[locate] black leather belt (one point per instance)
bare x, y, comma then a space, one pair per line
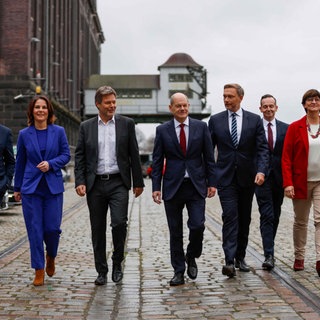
107, 177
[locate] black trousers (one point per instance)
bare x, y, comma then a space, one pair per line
108, 194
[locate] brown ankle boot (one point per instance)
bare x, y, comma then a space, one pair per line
50, 267
298, 265
39, 278
318, 267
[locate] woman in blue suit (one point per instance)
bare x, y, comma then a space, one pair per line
42, 150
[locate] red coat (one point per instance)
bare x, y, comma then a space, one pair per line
295, 158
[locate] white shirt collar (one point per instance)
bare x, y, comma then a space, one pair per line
100, 120
177, 123
273, 122
238, 112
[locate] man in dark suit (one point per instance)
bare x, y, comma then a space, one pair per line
7, 160
270, 194
242, 162
185, 144
106, 157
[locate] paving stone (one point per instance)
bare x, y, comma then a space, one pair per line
145, 292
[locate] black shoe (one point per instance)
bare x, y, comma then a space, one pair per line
177, 279
192, 269
101, 279
116, 273
268, 264
229, 270
242, 265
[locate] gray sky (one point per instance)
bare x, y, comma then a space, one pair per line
267, 46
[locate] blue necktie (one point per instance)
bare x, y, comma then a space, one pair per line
234, 132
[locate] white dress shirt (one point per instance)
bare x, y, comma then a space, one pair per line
107, 157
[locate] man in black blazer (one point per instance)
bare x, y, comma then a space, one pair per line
7, 160
241, 164
106, 157
270, 194
185, 144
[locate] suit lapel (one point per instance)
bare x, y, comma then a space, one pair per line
173, 135
280, 132
245, 124
51, 136
94, 133
119, 129
304, 132
34, 140
192, 133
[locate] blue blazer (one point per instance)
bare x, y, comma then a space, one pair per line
250, 157
199, 160
27, 175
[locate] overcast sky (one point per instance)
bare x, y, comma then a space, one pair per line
267, 46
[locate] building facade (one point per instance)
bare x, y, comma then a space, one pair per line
145, 98
49, 47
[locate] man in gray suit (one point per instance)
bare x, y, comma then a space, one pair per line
7, 160
106, 157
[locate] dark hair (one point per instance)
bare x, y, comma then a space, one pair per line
311, 93
31, 107
268, 96
236, 86
102, 91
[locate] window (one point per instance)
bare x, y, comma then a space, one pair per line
180, 77
134, 93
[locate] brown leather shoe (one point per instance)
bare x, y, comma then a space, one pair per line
39, 278
298, 265
50, 266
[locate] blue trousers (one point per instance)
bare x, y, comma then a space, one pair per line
270, 198
236, 203
42, 213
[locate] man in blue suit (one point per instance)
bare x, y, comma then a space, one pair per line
7, 160
241, 164
185, 145
270, 194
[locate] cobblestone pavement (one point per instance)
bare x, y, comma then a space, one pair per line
145, 292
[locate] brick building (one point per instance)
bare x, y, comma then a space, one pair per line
48, 46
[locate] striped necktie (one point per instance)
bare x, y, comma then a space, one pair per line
234, 132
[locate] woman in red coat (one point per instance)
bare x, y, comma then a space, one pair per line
301, 175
